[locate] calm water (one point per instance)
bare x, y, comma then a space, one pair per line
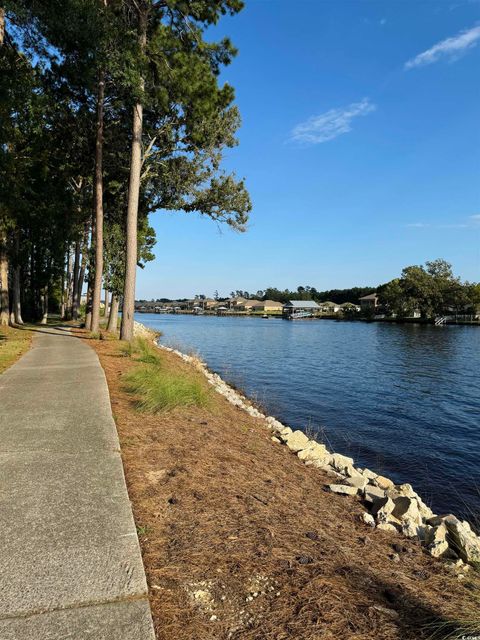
403, 400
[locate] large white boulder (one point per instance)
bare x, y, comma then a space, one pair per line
343, 489
373, 493
341, 463
383, 483
407, 509
314, 451
357, 481
382, 509
296, 441
462, 539
436, 540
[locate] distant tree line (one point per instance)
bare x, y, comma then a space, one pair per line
311, 293
430, 290
109, 110
306, 293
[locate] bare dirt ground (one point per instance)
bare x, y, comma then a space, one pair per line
241, 540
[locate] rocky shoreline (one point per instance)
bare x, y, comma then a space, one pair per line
388, 507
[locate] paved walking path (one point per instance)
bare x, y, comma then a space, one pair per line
70, 563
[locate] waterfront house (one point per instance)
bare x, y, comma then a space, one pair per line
369, 302
329, 307
266, 306
251, 304
236, 304
300, 308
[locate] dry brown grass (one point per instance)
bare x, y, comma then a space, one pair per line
224, 513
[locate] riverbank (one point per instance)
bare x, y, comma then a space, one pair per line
371, 391
241, 540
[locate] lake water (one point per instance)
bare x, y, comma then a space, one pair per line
403, 400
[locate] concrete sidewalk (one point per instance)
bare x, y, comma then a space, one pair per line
70, 563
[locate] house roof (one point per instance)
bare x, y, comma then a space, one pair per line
272, 302
371, 296
329, 304
302, 304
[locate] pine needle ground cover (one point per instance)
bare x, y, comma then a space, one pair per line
240, 539
13, 344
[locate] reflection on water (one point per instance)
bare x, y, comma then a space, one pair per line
401, 399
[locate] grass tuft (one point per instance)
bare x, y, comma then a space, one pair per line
156, 388
158, 391
466, 628
141, 350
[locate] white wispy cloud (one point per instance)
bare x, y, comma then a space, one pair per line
417, 225
331, 124
472, 221
450, 48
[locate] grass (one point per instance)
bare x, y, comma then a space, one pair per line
463, 629
13, 344
156, 388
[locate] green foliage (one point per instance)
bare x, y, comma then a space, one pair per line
159, 392
49, 67
142, 350
156, 388
308, 293
431, 290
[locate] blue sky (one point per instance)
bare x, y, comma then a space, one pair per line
360, 146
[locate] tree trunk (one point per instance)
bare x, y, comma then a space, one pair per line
73, 311
17, 304
44, 302
69, 292
113, 317
2, 25
88, 309
105, 309
81, 275
17, 300
126, 331
4, 301
97, 285
62, 298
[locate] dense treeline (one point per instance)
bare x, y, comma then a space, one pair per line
306, 293
430, 290
109, 110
